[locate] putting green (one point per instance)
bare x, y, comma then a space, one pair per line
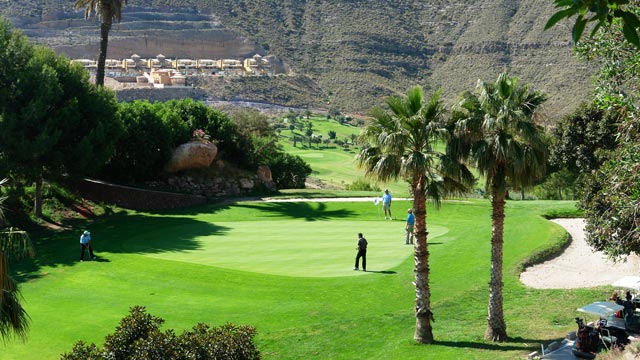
294, 247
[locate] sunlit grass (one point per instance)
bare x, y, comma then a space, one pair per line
286, 269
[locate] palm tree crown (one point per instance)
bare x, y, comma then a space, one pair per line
106, 11
496, 132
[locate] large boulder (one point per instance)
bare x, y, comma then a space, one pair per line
192, 155
264, 174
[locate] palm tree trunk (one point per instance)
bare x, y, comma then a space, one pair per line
37, 202
105, 27
423, 333
496, 327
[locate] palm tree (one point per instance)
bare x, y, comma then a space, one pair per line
495, 132
400, 143
13, 318
107, 11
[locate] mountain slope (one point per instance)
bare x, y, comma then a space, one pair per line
354, 52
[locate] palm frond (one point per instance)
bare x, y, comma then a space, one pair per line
14, 320
414, 101
13, 243
16, 243
99, 8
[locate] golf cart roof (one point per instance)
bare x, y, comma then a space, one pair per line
628, 282
601, 308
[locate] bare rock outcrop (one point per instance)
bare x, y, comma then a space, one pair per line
192, 155
264, 174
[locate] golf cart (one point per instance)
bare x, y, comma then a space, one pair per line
628, 318
591, 338
630, 283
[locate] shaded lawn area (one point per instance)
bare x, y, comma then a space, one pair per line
285, 268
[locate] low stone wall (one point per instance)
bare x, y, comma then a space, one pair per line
133, 198
152, 94
217, 187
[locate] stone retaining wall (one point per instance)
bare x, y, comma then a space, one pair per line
166, 94
133, 198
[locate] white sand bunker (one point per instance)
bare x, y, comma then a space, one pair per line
578, 266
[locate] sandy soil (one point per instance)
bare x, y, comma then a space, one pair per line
578, 266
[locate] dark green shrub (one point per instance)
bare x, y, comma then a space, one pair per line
138, 325
179, 130
289, 171
82, 351
205, 342
145, 147
362, 185
138, 337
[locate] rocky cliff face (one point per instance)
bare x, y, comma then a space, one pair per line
353, 53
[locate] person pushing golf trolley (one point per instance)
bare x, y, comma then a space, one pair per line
85, 243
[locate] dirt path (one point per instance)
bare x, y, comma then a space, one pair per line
578, 266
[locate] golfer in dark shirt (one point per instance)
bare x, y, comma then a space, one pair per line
362, 252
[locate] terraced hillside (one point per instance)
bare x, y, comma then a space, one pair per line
351, 54
147, 31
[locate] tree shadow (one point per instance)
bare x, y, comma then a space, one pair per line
122, 233
299, 210
209, 208
512, 344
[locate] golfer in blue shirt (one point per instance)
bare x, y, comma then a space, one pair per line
85, 243
411, 220
386, 204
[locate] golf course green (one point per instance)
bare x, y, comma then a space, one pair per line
286, 268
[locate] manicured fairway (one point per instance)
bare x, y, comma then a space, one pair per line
285, 268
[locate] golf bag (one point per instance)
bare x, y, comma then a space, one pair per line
588, 338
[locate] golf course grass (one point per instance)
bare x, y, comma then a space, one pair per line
286, 268
332, 164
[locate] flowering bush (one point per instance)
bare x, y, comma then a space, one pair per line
199, 134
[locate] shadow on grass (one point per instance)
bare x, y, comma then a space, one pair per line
299, 210
512, 344
386, 272
100, 259
122, 233
209, 208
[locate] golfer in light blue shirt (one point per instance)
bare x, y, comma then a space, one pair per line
386, 204
85, 243
411, 220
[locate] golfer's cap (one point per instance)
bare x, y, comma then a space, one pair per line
409, 210
86, 232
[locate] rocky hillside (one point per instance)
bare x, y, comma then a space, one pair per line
346, 55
